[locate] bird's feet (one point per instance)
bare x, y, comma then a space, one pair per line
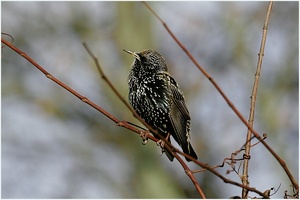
143, 135
161, 143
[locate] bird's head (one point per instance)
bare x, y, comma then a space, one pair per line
148, 60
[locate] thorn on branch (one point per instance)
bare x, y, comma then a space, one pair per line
120, 123
188, 172
265, 135
84, 99
48, 76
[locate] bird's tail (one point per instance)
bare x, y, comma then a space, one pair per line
188, 149
169, 155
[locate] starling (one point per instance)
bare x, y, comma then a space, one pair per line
156, 97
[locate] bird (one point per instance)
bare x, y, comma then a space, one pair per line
156, 97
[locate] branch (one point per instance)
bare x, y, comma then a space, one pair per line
253, 101
104, 77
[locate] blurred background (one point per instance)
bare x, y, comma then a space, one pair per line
55, 146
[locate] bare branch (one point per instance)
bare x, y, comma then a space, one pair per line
104, 77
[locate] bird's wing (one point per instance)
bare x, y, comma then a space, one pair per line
178, 99
179, 115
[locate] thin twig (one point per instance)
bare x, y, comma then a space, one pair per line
104, 77
253, 101
81, 97
248, 145
11, 37
209, 77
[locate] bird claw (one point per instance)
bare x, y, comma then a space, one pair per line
161, 143
143, 135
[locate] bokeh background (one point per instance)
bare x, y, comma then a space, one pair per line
55, 146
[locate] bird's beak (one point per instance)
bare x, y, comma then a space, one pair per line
134, 54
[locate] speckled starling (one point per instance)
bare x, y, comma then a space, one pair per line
156, 97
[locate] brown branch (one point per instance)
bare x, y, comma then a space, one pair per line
104, 77
188, 171
82, 98
209, 77
49, 76
253, 101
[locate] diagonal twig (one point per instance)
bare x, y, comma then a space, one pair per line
72, 91
104, 77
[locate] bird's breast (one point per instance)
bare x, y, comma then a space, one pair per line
149, 96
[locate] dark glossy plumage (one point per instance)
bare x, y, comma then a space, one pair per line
156, 97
